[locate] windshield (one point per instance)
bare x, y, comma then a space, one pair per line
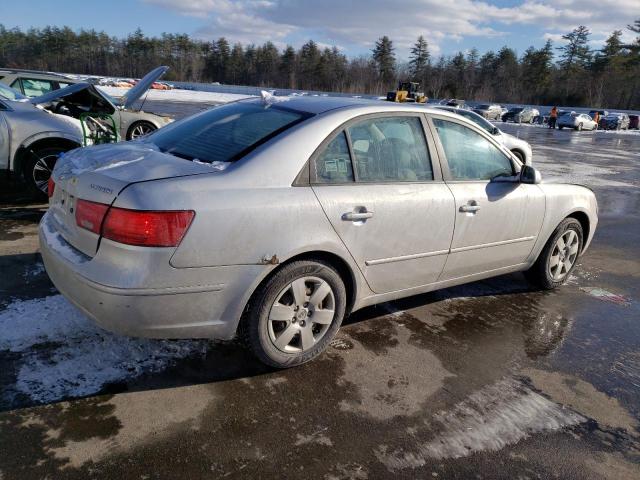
516, 110
483, 107
226, 133
9, 93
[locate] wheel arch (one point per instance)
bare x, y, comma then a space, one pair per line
583, 218
23, 151
340, 264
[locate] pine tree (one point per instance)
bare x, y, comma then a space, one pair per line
419, 59
385, 60
576, 53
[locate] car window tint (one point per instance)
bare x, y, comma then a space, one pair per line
333, 164
471, 156
225, 133
16, 85
35, 88
390, 149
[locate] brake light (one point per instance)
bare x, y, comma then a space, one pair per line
89, 215
147, 228
51, 187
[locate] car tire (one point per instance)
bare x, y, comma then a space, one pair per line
519, 155
139, 129
38, 167
279, 341
560, 127
544, 272
579, 127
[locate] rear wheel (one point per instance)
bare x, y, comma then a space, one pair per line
558, 257
38, 167
292, 317
579, 127
139, 129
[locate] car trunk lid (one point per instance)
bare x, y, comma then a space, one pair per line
98, 174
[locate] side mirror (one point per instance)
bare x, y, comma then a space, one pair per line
495, 131
530, 175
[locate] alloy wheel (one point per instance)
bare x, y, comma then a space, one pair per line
301, 314
564, 255
140, 130
42, 171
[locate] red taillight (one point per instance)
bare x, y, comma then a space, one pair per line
134, 227
147, 228
51, 187
89, 215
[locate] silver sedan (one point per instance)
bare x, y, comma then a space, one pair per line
273, 219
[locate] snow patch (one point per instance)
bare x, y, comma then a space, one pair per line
216, 164
491, 418
269, 98
177, 95
63, 354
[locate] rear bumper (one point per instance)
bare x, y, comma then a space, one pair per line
190, 308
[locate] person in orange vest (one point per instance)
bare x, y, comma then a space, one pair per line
553, 117
596, 118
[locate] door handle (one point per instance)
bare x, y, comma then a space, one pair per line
356, 216
471, 207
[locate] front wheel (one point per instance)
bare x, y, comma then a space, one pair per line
140, 129
519, 155
292, 317
579, 127
558, 257
38, 168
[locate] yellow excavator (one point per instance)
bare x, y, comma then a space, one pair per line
407, 92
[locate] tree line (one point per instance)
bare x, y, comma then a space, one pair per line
570, 74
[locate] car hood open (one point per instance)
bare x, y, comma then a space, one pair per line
126, 101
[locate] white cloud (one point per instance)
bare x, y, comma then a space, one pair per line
359, 22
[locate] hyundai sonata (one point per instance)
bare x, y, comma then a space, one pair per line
273, 220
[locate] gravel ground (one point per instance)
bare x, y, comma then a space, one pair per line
488, 380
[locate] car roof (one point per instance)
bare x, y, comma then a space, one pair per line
35, 72
356, 106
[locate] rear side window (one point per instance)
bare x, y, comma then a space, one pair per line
471, 156
226, 133
390, 149
333, 164
34, 88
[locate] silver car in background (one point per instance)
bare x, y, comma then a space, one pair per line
517, 146
131, 122
32, 138
489, 111
577, 121
273, 220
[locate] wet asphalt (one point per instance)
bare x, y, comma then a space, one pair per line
488, 380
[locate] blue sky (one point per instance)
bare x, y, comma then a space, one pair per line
352, 25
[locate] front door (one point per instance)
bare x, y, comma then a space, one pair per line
383, 196
497, 219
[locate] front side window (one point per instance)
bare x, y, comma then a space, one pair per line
390, 149
333, 164
471, 156
226, 133
35, 88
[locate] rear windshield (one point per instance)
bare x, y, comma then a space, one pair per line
227, 133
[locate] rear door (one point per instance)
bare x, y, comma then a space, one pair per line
497, 219
383, 193
4, 138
